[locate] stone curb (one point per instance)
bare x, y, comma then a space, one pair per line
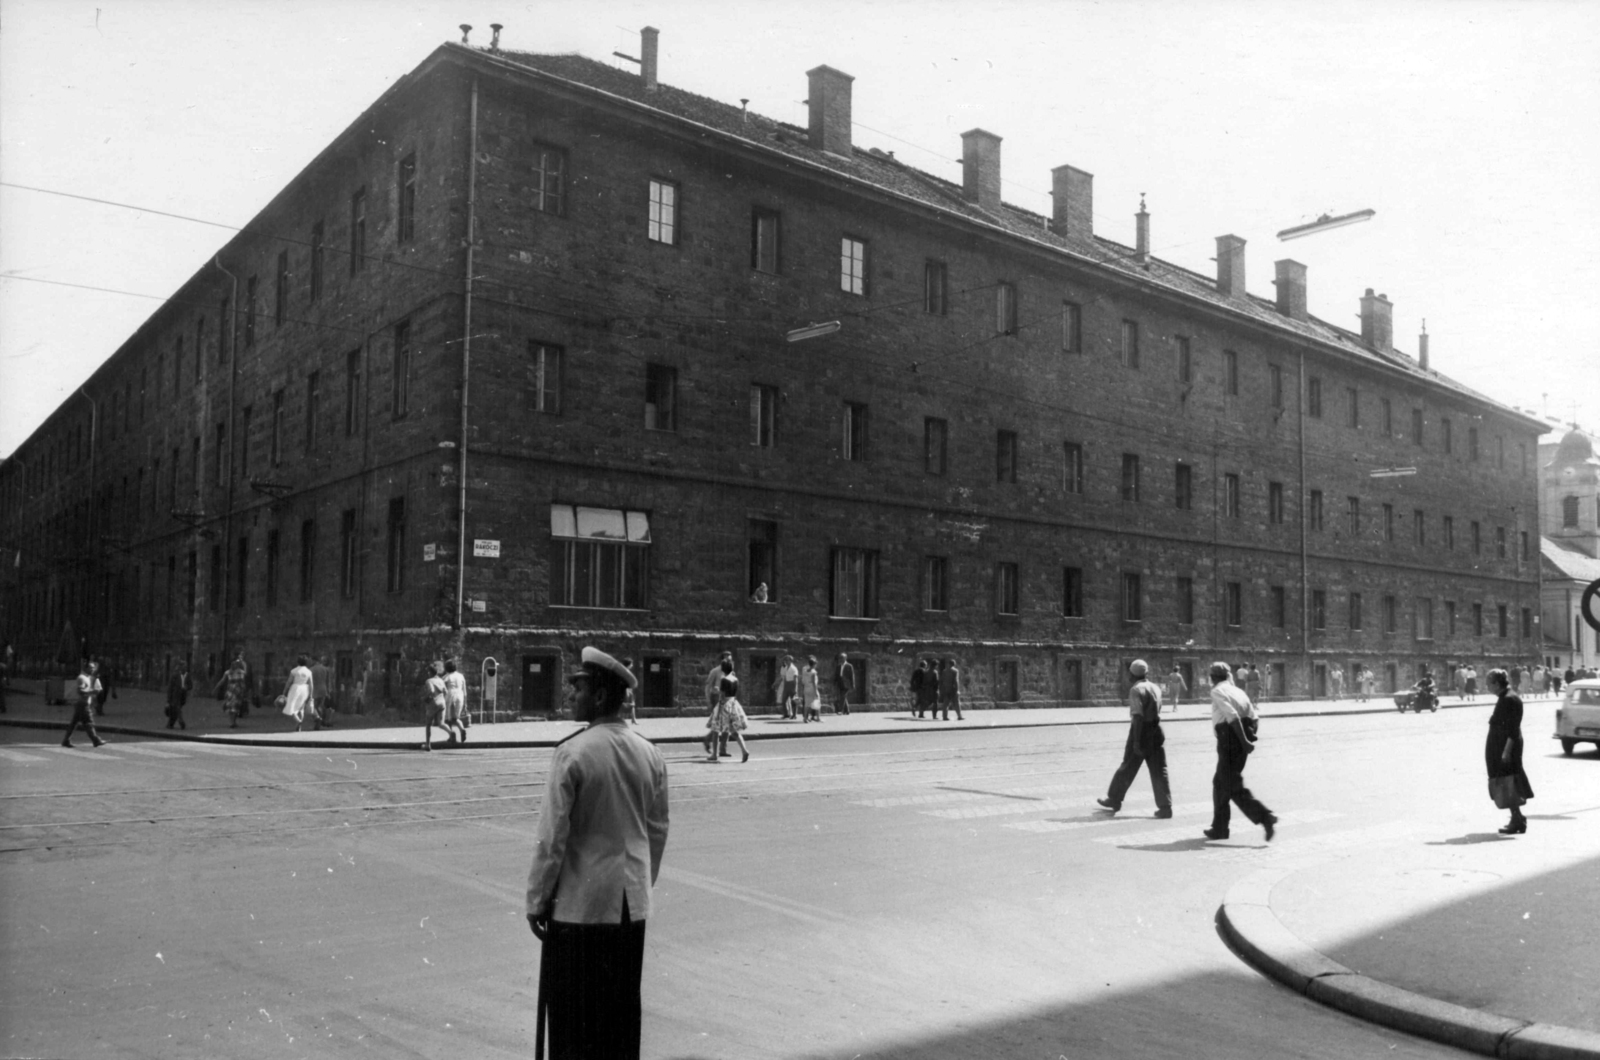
1249, 925
806, 732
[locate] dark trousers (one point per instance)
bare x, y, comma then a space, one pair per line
945, 705
82, 714
841, 703
589, 984
1228, 783
1146, 746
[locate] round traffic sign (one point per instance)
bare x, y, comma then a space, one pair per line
1586, 605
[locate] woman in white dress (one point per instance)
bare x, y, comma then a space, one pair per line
297, 693
728, 718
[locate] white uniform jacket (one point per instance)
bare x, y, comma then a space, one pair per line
602, 828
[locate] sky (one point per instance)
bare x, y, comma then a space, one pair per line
1472, 127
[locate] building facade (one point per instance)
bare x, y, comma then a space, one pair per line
1569, 484
508, 369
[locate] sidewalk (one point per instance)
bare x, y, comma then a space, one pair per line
142, 713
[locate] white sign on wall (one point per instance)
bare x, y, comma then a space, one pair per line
430, 552
479, 605
484, 547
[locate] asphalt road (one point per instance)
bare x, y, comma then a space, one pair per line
931, 895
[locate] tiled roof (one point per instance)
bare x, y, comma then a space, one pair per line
1569, 563
882, 170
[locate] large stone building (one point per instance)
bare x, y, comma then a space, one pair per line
1569, 505
505, 370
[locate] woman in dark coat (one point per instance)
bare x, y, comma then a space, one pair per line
1502, 752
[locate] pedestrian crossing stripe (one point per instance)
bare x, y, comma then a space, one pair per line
76, 752
19, 756
1185, 809
137, 749
211, 749
948, 796
1012, 809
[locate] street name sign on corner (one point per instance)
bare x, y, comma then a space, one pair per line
485, 547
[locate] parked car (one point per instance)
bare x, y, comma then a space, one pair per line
1578, 717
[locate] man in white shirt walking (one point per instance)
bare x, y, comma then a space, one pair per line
1233, 718
597, 853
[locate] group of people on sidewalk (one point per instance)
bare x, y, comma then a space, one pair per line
444, 703
933, 691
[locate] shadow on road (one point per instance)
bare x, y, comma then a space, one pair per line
1472, 838
1177, 846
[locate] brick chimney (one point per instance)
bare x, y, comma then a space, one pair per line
1422, 347
1073, 192
980, 168
648, 38
1230, 266
1141, 233
830, 109
1291, 284
1377, 321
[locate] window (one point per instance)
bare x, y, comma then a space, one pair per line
1569, 512
1130, 344
548, 179
191, 584
280, 296
1132, 602
1183, 487
1319, 609
935, 440
935, 583
545, 365
358, 230
317, 248
1005, 588
599, 557
660, 397
214, 582
1130, 477
395, 552
1071, 327
1005, 456
1230, 373
762, 548
853, 265
249, 328
1391, 621
935, 288
1500, 620
313, 387
245, 415
272, 567
1388, 522
406, 226
1472, 444
1450, 617
1523, 535
1500, 542
400, 384
1355, 611
1476, 533
853, 590
1314, 398
854, 442
765, 233
1005, 308
1185, 360
1280, 607
1416, 426
308, 557
1527, 622
1314, 513
1419, 527
763, 416
1450, 533
1230, 495
221, 454
1072, 592
1072, 468
352, 394
1352, 407
1275, 375
1447, 429
348, 554
1386, 416
663, 212
224, 325
242, 571
1275, 503
1477, 620
275, 440
172, 583
1185, 600
1422, 620
1233, 603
